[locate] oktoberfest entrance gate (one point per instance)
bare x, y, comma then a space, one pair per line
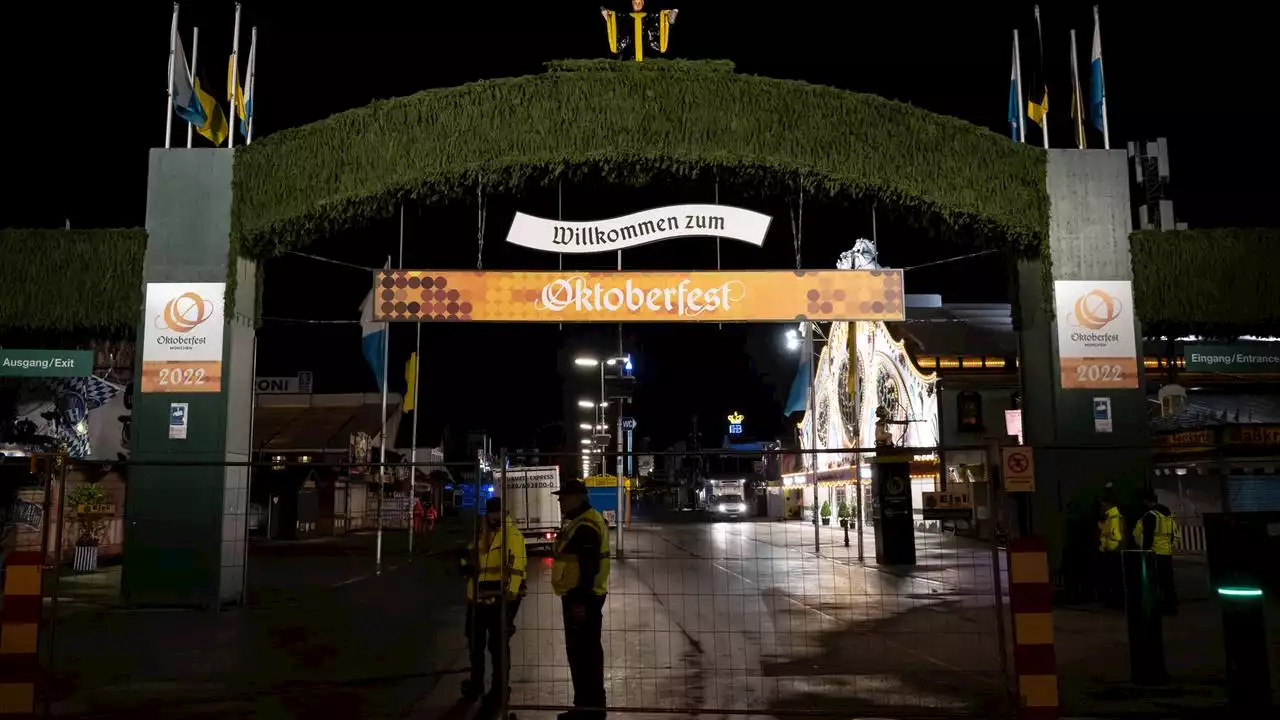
212, 214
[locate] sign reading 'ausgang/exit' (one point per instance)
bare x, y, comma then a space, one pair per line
46, 363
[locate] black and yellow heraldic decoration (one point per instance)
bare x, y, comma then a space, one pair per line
652, 29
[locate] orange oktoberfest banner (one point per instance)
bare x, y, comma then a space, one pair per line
641, 296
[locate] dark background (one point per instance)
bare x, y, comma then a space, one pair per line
86, 82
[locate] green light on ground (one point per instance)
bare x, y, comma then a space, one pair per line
1240, 592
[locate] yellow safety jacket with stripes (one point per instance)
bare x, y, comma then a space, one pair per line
1111, 531
1165, 536
565, 572
495, 573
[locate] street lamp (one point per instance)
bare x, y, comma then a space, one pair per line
584, 426
587, 362
586, 404
586, 441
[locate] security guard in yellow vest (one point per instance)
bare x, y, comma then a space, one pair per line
580, 576
494, 567
1158, 533
1110, 547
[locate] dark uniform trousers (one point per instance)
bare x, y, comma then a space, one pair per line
487, 631
585, 650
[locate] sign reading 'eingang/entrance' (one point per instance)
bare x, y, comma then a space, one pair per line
636, 229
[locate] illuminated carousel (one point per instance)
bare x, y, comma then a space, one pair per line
865, 382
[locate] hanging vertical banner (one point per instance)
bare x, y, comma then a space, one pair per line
1097, 343
182, 338
724, 296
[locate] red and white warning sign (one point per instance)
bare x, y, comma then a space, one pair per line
1018, 467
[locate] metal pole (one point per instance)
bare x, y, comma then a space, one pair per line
857, 468
1097, 39
382, 449
235, 81
1017, 74
413, 448
618, 513
168, 104
503, 670
191, 76
248, 86
813, 432
602, 421
993, 461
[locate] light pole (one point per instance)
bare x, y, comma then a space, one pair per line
811, 414
604, 404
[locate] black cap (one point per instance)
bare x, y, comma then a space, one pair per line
493, 505
572, 487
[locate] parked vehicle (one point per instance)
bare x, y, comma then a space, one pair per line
529, 502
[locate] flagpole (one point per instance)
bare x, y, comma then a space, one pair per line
1017, 74
235, 80
382, 451
1077, 99
1044, 112
413, 443
168, 107
248, 87
1097, 33
191, 76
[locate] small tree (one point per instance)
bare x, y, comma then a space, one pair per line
92, 528
826, 509
842, 510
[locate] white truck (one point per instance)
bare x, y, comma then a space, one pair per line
726, 499
529, 502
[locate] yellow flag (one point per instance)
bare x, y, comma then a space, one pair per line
235, 91
215, 124
410, 382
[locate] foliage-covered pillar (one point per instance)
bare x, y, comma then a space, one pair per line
185, 514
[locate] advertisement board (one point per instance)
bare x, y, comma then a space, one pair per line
182, 338
640, 228
613, 297
1097, 344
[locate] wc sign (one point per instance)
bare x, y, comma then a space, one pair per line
300, 384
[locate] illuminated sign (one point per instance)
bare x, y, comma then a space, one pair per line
735, 423
713, 296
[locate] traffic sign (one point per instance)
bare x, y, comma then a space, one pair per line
1017, 465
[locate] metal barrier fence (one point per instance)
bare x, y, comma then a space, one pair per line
715, 604
742, 596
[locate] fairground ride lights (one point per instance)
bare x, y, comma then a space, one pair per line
682, 300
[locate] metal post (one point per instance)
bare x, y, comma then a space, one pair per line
993, 461
813, 432
503, 659
603, 421
619, 511
857, 468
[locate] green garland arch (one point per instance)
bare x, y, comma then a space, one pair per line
85, 283
1207, 282
633, 124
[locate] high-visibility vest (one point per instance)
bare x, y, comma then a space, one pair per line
1165, 536
1111, 531
494, 573
565, 571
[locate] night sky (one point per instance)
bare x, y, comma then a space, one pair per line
86, 83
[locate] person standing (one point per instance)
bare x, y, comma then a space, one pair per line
580, 576
1157, 533
431, 517
495, 566
1110, 547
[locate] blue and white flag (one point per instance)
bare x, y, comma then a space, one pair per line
798, 398
186, 103
1015, 100
373, 339
1097, 88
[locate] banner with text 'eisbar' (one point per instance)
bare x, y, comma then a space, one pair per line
641, 296
636, 229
